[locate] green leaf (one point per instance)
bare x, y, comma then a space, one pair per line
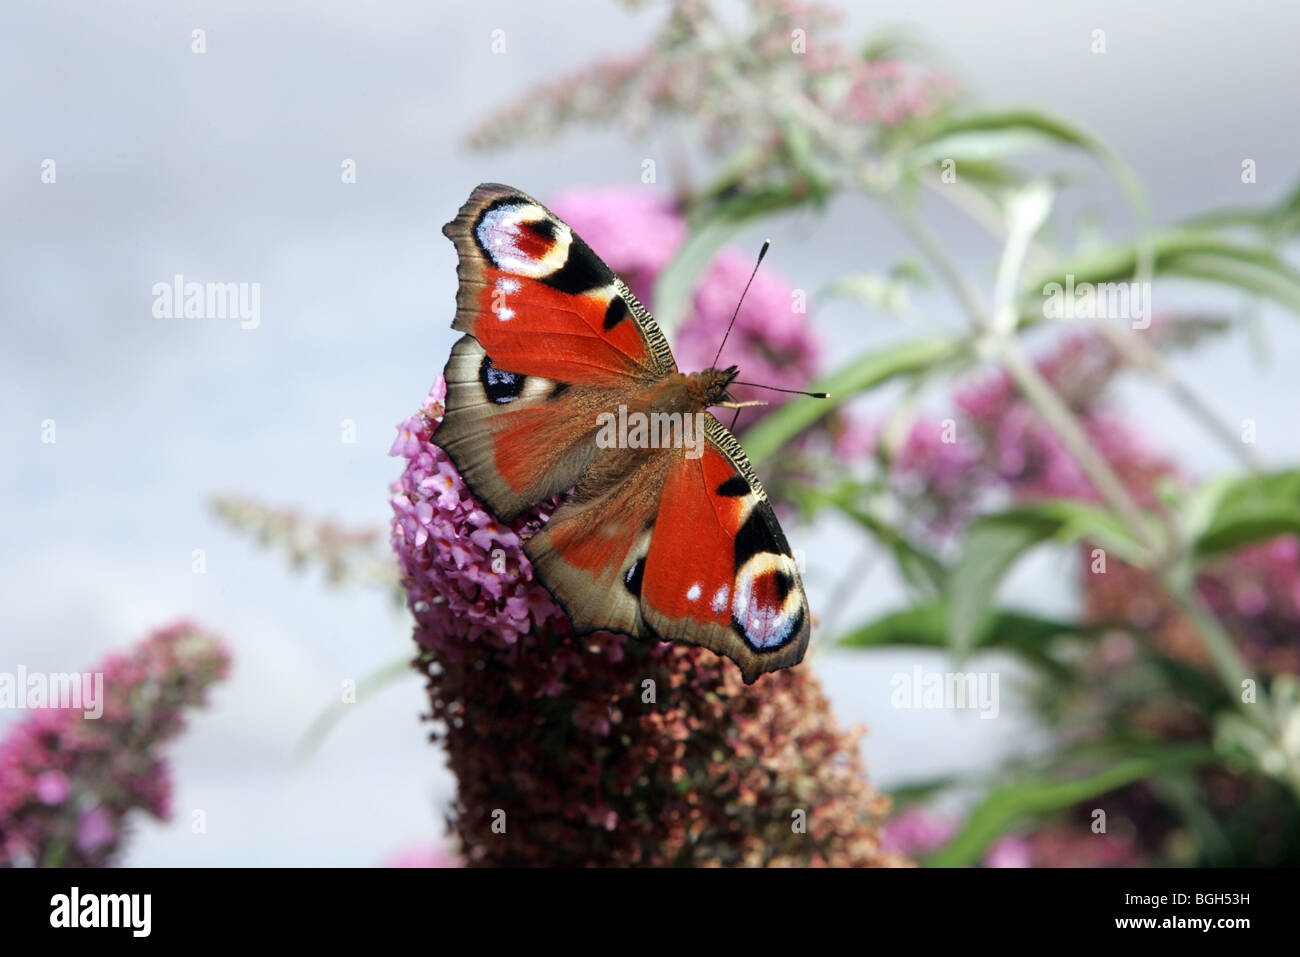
915, 792
993, 543
677, 281
1236, 512
896, 43
990, 547
1278, 221
989, 174
917, 566
1003, 807
865, 372
984, 136
911, 271
1176, 253
1027, 636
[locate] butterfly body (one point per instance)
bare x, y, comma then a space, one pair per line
673, 540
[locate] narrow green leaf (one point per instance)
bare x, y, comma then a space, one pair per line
1027, 636
917, 566
1278, 221
388, 674
982, 137
986, 135
993, 543
1244, 511
990, 547
676, 283
873, 290
1176, 253
1035, 796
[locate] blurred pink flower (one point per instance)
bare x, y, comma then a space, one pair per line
634, 229
1064, 845
1255, 591
854, 439
68, 783
94, 830
423, 855
1026, 454
938, 479
1010, 851
686, 71
1001, 443
916, 832
52, 787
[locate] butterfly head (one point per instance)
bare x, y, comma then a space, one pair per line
714, 384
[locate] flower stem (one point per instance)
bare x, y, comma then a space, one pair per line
1061, 420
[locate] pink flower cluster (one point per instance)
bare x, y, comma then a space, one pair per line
466, 573
1025, 454
998, 442
939, 479
785, 52
915, 832
68, 782
1256, 593
1065, 845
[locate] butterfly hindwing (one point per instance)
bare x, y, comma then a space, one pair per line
683, 548
719, 572
591, 553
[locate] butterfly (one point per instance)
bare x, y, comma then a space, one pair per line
671, 543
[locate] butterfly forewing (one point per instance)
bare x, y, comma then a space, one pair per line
517, 261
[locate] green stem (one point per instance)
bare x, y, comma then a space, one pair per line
1035, 388
1061, 420
1232, 668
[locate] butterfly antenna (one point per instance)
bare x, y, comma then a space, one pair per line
761, 253
754, 385
811, 395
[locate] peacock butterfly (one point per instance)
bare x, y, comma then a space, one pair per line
676, 542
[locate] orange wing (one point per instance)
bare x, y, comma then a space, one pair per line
683, 549
553, 338
540, 302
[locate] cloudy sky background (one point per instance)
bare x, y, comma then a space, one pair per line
225, 167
